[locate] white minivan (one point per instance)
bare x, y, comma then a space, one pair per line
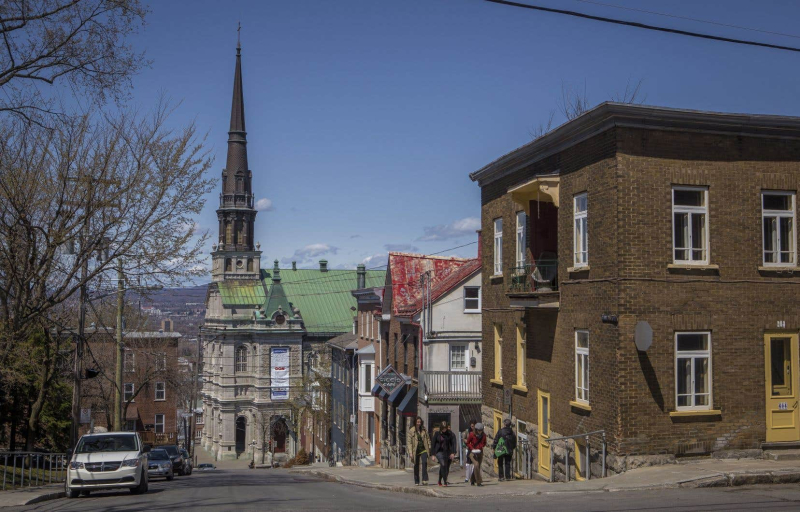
110, 460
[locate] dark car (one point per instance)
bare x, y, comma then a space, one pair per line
188, 465
178, 464
159, 464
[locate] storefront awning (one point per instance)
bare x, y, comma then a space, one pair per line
408, 407
397, 396
376, 390
132, 412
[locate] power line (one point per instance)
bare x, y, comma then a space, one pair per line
688, 18
656, 28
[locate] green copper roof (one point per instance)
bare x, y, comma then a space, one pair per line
323, 298
242, 293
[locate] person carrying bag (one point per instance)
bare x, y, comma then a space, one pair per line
418, 444
476, 441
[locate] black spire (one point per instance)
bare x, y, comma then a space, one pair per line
236, 163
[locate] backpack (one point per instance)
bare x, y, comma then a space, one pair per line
500, 448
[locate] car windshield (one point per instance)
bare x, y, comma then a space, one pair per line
112, 443
172, 450
158, 455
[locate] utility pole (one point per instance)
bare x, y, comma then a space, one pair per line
195, 385
119, 347
76, 384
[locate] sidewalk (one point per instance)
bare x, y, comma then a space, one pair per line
30, 496
706, 473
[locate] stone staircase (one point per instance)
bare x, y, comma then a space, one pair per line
781, 451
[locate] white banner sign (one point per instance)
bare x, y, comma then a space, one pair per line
279, 373
86, 415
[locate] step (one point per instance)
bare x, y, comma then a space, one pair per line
786, 454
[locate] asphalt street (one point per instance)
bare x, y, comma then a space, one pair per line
280, 490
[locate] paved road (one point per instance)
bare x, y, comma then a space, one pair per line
280, 490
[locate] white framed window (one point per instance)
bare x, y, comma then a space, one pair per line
498, 247
241, 359
582, 366
458, 357
159, 424
690, 225
129, 361
693, 371
522, 243
472, 299
161, 391
778, 218
366, 378
128, 391
580, 214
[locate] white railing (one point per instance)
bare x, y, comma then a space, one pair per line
451, 386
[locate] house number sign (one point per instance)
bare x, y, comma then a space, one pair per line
781, 324
782, 406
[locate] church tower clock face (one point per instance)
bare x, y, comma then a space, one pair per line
239, 264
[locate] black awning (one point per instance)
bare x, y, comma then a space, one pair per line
376, 390
397, 396
408, 407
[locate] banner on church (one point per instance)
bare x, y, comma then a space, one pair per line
279, 374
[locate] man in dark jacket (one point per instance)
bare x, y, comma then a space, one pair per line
510, 440
444, 450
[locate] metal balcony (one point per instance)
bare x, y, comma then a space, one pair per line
534, 285
451, 387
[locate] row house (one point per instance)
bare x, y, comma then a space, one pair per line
343, 383
640, 288
424, 328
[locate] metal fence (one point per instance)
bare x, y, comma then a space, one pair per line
586, 453
30, 469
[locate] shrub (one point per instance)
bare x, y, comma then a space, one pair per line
301, 457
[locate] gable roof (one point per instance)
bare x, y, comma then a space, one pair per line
324, 298
405, 270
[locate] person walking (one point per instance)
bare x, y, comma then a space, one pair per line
444, 448
467, 462
475, 444
418, 444
504, 444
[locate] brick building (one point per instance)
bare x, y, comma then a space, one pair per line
154, 385
640, 279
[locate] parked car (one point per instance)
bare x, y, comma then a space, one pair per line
159, 464
206, 467
188, 465
178, 462
111, 460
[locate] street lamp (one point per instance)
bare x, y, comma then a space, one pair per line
253, 446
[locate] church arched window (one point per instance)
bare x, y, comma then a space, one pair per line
241, 359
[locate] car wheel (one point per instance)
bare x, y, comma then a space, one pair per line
142, 487
71, 493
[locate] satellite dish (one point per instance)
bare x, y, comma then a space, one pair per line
643, 336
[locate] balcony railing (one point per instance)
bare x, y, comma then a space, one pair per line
157, 438
451, 387
541, 276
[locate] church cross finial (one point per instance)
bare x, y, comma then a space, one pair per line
239, 36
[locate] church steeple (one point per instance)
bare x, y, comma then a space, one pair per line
237, 256
236, 214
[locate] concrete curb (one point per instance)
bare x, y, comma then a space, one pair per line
714, 480
46, 497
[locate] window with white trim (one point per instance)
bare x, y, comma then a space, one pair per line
692, 371
521, 240
129, 361
161, 391
498, 247
690, 225
367, 379
458, 357
159, 424
580, 215
582, 366
778, 218
472, 299
128, 392
241, 359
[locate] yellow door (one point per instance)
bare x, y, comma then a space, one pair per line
544, 433
783, 410
498, 424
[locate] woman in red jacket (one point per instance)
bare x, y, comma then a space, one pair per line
475, 443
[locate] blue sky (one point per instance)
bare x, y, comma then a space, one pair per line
365, 117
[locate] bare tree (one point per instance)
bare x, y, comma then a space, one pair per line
573, 102
78, 42
632, 94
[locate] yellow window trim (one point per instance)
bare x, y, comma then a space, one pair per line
709, 412
496, 381
517, 387
580, 405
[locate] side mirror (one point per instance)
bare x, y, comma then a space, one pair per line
146, 448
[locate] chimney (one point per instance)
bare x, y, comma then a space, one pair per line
294, 265
323, 265
361, 277
276, 272
480, 243
166, 325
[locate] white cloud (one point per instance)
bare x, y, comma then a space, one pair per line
376, 260
307, 254
401, 248
458, 229
264, 205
